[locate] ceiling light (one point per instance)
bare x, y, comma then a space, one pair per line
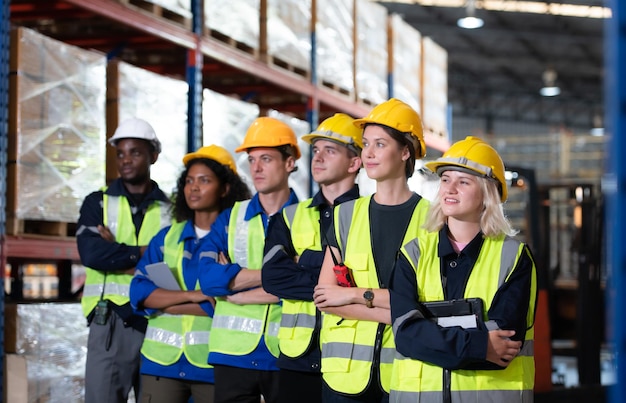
470, 21
550, 89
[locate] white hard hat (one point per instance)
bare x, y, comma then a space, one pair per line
135, 128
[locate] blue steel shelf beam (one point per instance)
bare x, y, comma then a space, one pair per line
614, 186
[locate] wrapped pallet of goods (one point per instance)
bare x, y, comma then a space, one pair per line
161, 101
434, 88
299, 180
45, 346
371, 52
289, 35
405, 55
334, 31
235, 22
56, 129
225, 122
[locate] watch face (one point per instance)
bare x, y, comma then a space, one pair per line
368, 295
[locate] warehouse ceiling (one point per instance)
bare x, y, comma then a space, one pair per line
495, 72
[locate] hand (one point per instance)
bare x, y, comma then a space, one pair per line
327, 295
235, 299
500, 349
196, 296
223, 259
106, 233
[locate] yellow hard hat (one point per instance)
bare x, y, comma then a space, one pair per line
475, 156
215, 153
340, 129
400, 116
269, 132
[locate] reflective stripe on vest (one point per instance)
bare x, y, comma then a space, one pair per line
237, 329
170, 336
299, 317
117, 216
348, 345
415, 380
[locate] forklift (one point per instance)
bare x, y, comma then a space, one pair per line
562, 223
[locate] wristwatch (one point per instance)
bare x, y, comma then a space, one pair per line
369, 298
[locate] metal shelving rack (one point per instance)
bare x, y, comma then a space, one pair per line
198, 49
4, 127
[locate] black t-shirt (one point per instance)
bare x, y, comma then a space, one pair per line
387, 228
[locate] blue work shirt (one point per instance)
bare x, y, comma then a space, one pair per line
141, 287
216, 278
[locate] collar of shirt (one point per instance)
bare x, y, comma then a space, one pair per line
319, 199
116, 188
445, 249
189, 232
255, 206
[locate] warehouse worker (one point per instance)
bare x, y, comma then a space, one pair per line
357, 343
294, 255
114, 229
243, 345
174, 353
468, 252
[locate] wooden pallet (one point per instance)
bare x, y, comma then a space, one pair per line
278, 62
337, 88
16, 226
159, 12
232, 42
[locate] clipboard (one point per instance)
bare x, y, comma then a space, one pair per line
161, 275
467, 313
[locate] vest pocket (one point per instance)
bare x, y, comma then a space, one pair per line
338, 345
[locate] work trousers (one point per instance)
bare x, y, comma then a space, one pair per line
242, 385
113, 359
301, 387
156, 389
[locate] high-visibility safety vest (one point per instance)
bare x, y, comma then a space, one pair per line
348, 346
169, 336
298, 318
119, 219
414, 380
237, 329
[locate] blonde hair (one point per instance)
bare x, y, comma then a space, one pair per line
493, 222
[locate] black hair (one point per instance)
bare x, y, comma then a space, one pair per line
238, 189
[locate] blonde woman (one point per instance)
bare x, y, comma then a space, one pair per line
467, 254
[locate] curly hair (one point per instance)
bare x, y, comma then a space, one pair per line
238, 190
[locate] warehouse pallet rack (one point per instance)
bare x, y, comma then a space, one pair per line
142, 34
